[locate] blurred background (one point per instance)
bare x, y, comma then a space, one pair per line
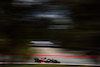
73, 24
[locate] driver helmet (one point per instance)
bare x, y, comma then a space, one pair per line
45, 58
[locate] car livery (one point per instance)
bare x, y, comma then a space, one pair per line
46, 60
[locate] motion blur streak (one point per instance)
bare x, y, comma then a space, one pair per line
55, 56
68, 23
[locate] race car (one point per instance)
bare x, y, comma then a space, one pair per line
46, 60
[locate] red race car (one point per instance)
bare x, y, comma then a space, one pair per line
46, 60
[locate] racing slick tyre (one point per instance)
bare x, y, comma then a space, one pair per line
37, 60
58, 62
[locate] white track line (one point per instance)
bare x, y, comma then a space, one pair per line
48, 63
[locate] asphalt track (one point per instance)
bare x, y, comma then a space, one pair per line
64, 56
77, 57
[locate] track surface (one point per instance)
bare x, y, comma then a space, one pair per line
60, 51
53, 53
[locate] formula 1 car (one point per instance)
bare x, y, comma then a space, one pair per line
46, 61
